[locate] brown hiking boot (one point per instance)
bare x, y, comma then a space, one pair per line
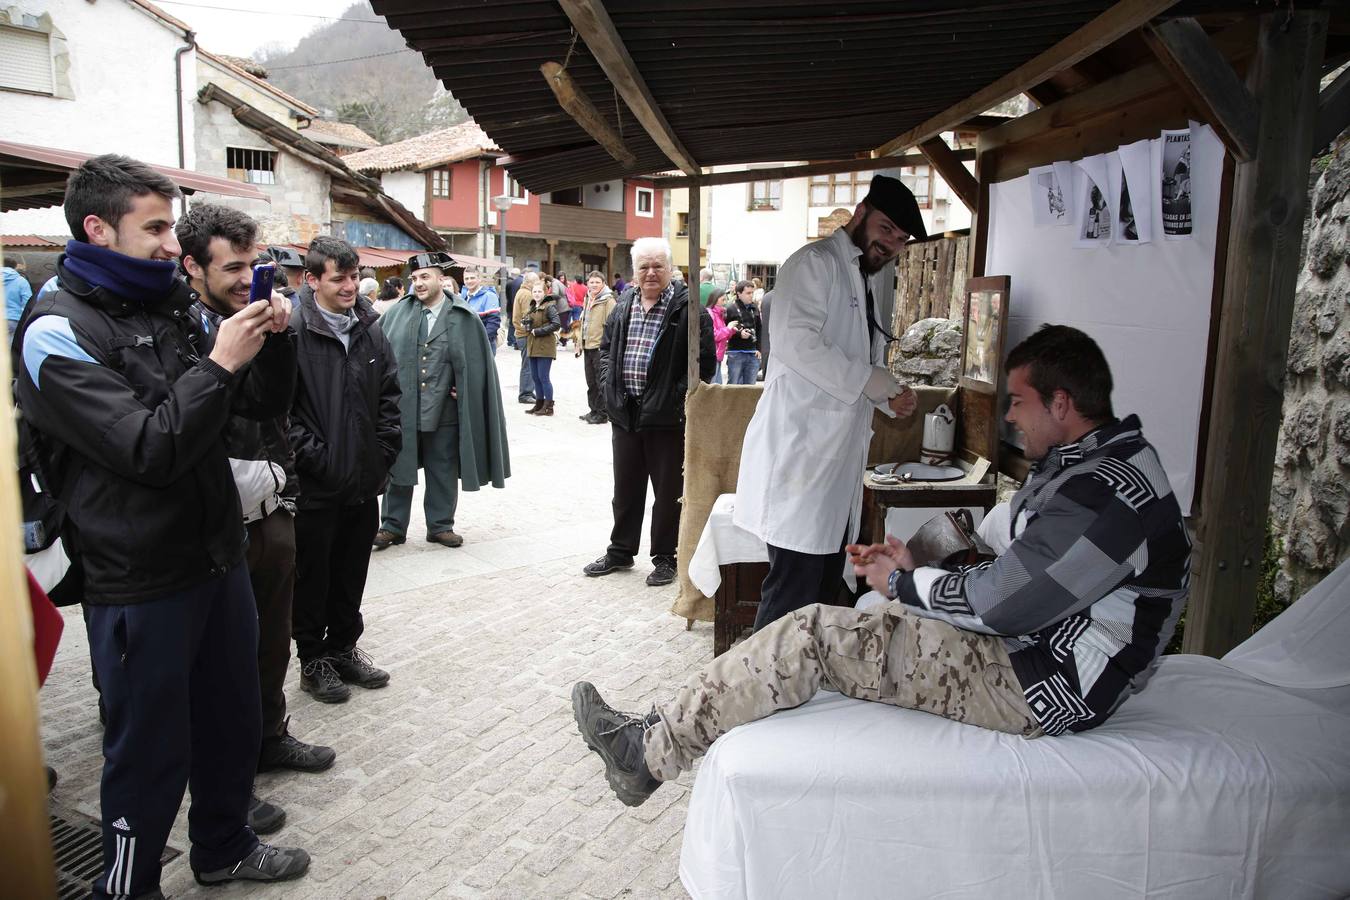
386, 539
445, 539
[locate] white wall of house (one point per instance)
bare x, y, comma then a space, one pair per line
408, 188
118, 63
603, 195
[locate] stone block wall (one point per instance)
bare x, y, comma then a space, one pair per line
929, 352
1310, 494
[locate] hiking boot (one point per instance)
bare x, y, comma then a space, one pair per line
547, 410
264, 817
536, 409
355, 667
287, 752
318, 677
617, 737
663, 573
386, 539
604, 565
265, 863
445, 539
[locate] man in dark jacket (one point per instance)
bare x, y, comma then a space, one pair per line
218, 253
643, 372
344, 429
115, 379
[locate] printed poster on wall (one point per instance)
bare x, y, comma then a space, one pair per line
1048, 205
1130, 182
1175, 185
1095, 206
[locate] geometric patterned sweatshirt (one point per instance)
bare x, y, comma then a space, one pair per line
1089, 591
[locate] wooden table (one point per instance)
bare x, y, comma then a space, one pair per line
877, 498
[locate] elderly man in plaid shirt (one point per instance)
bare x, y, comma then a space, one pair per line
643, 379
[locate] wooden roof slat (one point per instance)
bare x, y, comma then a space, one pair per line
596, 28
1120, 19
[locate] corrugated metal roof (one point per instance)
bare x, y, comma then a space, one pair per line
754, 81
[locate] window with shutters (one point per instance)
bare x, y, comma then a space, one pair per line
440, 183
251, 166
26, 61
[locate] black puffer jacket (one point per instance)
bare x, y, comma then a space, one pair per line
662, 403
251, 440
134, 413
344, 424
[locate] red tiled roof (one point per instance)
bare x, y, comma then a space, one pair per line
342, 134
438, 148
31, 241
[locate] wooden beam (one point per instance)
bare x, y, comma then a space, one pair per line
744, 176
593, 23
1044, 94
956, 175
1333, 111
572, 99
1202, 73
1270, 198
1119, 20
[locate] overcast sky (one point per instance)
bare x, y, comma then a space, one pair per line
238, 27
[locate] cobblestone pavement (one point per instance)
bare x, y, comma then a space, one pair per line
465, 777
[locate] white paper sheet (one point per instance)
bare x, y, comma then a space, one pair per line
1094, 206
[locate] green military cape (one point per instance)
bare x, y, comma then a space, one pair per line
483, 454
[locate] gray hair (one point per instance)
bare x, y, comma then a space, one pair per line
367, 287
651, 246
705, 274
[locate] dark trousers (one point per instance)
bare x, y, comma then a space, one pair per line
438, 458
332, 555
796, 580
540, 367
639, 456
593, 398
271, 570
180, 683
526, 382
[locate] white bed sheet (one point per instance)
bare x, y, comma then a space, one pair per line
1213, 782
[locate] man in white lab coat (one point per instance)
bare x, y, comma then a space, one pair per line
800, 482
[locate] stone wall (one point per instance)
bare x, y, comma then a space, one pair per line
1310, 495
929, 352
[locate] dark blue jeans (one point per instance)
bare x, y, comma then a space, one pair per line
742, 366
179, 676
539, 369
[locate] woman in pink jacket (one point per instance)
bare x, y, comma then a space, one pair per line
722, 332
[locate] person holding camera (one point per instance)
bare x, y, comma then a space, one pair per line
743, 346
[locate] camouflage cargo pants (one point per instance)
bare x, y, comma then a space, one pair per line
886, 654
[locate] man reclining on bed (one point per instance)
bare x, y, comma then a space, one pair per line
1048, 637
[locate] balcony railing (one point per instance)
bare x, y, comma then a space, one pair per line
581, 224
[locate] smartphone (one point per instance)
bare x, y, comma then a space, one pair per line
263, 276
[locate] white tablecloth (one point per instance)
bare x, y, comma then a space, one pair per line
1218, 780
722, 544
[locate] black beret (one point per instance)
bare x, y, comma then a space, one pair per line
431, 259
889, 196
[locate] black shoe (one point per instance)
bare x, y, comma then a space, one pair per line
663, 573
386, 539
617, 737
318, 677
265, 863
604, 565
354, 667
286, 752
264, 817
52, 778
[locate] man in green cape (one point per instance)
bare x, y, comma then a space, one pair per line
451, 401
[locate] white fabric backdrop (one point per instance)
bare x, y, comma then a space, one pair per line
1147, 305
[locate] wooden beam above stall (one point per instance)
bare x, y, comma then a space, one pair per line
1116, 22
1333, 111
950, 167
596, 28
1200, 70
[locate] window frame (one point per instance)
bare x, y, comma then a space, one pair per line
638, 192
912, 171
437, 175
771, 202
271, 156
516, 191
856, 182
51, 89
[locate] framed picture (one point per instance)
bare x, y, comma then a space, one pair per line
986, 323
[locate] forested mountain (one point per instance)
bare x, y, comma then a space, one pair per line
380, 85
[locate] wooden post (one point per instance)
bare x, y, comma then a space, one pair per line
695, 266
609, 260
552, 244
26, 851
1270, 198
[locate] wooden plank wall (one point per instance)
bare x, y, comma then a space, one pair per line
931, 281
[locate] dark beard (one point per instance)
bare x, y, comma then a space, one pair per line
857, 237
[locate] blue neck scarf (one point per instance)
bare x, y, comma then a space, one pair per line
143, 280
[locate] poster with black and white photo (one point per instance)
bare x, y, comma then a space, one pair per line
1048, 197
1130, 183
1175, 185
1096, 206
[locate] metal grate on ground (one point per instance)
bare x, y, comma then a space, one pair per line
77, 843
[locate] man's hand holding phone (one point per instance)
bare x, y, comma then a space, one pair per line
241, 336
